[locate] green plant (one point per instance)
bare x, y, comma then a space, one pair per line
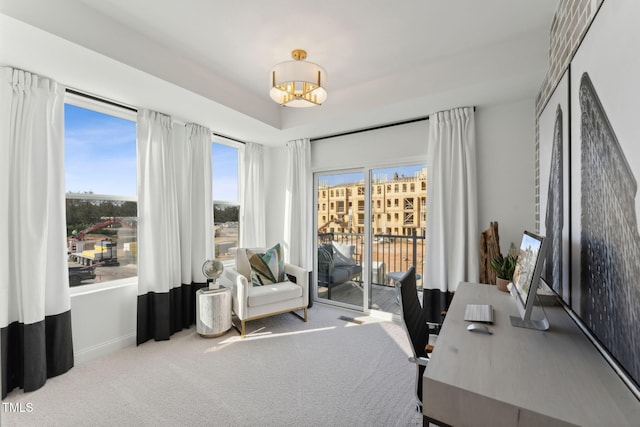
504, 266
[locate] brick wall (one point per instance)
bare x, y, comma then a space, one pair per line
569, 25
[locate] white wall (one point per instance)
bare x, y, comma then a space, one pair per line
103, 319
505, 154
275, 172
506, 169
391, 145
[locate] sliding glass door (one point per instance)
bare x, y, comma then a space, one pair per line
398, 224
341, 238
370, 229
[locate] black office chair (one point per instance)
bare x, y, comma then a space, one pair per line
416, 326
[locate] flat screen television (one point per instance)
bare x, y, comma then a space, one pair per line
526, 279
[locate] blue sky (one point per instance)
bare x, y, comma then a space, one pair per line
100, 153
225, 173
100, 157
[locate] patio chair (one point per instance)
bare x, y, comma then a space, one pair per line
334, 268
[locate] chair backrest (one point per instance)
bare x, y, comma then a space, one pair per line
412, 314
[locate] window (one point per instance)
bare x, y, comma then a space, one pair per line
226, 207
100, 184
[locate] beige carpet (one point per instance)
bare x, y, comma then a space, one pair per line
326, 372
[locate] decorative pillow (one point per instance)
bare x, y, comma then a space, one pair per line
267, 268
343, 254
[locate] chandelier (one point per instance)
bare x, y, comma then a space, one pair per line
298, 83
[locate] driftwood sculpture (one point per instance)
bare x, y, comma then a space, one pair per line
489, 249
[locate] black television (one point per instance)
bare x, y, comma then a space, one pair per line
526, 279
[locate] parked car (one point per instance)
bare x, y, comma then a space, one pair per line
78, 274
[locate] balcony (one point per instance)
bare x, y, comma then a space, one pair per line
390, 253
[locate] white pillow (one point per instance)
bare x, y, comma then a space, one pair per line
343, 254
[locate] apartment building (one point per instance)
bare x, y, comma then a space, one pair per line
398, 206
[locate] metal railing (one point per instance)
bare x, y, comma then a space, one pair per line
390, 252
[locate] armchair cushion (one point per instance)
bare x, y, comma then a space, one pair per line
268, 267
269, 294
343, 254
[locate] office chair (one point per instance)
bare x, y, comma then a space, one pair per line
416, 326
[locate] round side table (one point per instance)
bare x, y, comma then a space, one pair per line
213, 311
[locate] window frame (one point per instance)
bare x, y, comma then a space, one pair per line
240, 147
122, 112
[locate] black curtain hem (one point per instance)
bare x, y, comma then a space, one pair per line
160, 315
34, 352
434, 302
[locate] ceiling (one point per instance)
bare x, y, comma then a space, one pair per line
385, 61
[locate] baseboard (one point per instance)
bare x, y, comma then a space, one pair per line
104, 348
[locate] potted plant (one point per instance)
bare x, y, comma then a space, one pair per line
504, 266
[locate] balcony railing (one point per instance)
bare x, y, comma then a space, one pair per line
390, 252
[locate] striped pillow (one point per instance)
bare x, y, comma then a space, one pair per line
267, 268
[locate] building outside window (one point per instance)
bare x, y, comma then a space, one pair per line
100, 186
226, 205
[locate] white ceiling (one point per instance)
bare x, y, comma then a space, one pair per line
386, 61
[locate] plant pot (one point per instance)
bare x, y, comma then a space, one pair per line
501, 284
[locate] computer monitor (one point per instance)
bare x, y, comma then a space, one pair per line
526, 279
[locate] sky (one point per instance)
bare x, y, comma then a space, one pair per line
100, 153
100, 157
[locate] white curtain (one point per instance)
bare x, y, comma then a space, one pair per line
35, 316
452, 224
252, 214
298, 204
175, 222
158, 229
196, 205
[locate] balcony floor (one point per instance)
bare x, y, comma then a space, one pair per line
383, 297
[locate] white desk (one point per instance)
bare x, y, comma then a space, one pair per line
521, 377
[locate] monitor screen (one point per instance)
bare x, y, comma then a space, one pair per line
527, 272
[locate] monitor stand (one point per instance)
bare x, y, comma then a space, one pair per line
540, 324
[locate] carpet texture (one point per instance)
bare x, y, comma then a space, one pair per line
326, 372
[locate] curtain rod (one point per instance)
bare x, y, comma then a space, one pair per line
388, 125
219, 135
97, 98
351, 132
135, 110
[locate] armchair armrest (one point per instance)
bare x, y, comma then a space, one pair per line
301, 279
239, 290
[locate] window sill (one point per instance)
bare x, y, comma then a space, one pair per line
100, 287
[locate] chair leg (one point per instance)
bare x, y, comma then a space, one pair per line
242, 329
305, 314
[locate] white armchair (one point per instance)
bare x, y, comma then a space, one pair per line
255, 302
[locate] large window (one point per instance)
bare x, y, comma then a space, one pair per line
226, 206
100, 185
